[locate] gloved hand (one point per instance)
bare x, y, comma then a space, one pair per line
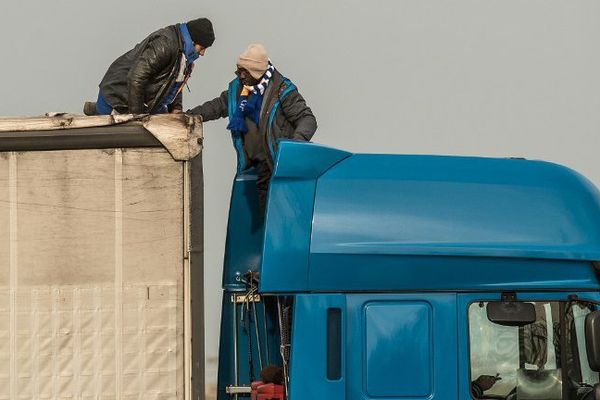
485, 382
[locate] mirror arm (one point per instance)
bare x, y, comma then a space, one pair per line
509, 297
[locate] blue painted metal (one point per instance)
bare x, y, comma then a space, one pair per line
437, 382
389, 352
245, 228
291, 193
299, 160
409, 273
242, 254
309, 348
461, 206
385, 322
371, 216
244, 232
419, 237
226, 349
405, 345
245, 239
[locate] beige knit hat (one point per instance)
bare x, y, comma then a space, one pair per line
254, 59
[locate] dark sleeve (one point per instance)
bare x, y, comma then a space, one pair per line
154, 58
300, 116
476, 391
213, 109
177, 104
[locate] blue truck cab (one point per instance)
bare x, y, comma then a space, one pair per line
413, 277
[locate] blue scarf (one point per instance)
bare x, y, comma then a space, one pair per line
248, 107
190, 56
188, 45
250, 102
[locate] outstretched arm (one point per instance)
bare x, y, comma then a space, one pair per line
213, 109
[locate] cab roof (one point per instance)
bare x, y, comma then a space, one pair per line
337, 220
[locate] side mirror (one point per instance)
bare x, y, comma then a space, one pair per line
592, 342
511, 313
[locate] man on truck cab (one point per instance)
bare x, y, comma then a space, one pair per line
150, 78
263, 107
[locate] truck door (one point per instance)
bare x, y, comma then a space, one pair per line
401, 346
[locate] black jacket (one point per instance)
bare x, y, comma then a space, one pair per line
138, 80
292, 118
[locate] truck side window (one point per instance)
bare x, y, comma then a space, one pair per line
509, 362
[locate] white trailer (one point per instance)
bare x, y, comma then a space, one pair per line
100, 246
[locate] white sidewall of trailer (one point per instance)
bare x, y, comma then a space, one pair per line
91, 275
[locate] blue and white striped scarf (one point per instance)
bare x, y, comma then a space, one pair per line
264, 81
249, 105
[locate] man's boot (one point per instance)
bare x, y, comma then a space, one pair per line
89, 108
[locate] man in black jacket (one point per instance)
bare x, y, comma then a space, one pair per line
150, 77
263, 107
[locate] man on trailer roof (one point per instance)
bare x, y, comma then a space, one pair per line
150, 77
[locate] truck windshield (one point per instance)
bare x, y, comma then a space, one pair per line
526, 363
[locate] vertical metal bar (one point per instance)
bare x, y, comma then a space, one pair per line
268, 359
260, 362
235, 344
248, 324
282, 347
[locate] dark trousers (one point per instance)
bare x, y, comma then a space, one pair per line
103, 108
263, 176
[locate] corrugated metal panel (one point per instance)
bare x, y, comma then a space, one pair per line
91, 275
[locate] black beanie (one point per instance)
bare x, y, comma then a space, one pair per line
201, 31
